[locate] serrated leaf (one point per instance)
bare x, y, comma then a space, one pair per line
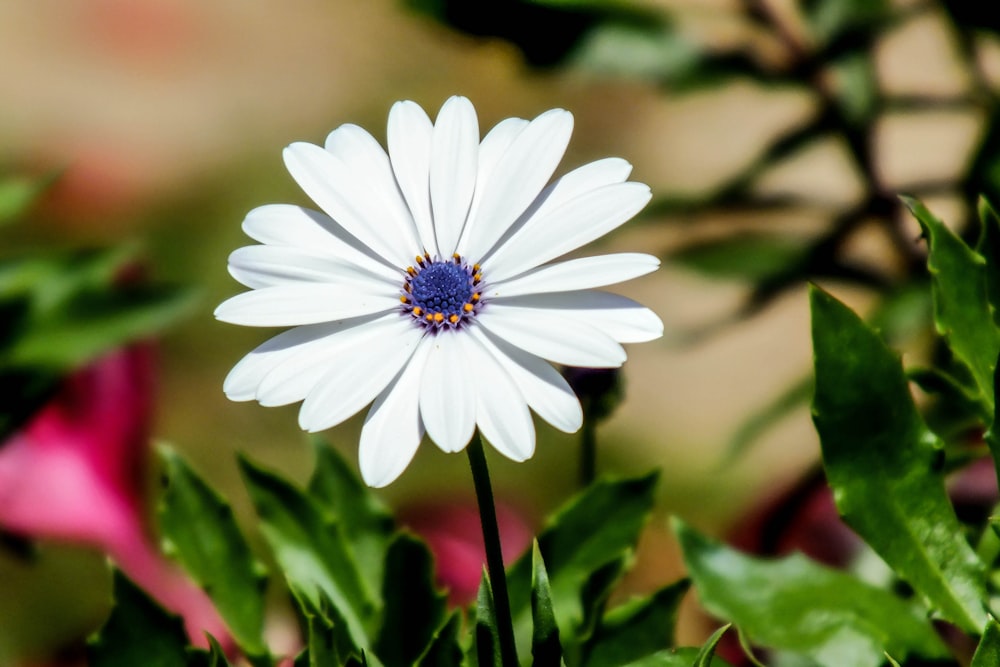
886, 467
594, 529
328, 641
988, 652
445, 649
962, 312
311, 549
795, 604
364, 518
546, 650
138, 632
636, 629
199, 528
414, 610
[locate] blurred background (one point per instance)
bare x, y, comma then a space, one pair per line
775, 135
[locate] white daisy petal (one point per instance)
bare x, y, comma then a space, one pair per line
356, 379
259, 266
543, 387
454, 158
552, 336
409, 139
448, 394
298, 227
357, 148
298, 374
501, 412
520, 174
560, 229
242, 382
303, 303
619, 317
393, 429
576, 274
339, 189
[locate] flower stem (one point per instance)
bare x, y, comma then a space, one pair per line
494, 556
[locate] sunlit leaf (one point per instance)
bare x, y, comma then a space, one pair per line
795, 604
545, 647
886, 467
200, 530
988, 652
707, 652
487, 636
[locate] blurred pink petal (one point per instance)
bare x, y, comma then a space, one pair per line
455, 537
77, 472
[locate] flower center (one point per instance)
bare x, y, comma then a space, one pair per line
439, 294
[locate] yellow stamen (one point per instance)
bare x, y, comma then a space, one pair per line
439, 317
404, 299
412, 271
475, 268
475, 297
457, 258
417, 311
467, 307
476, 278
453, 319
430, 317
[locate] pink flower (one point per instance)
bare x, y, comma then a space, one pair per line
76, 472
453, 533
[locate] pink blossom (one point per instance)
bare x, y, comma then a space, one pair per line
77, 472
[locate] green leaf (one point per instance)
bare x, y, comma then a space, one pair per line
962, 312
988, 652
199, 528
636, 629
886, 467
328, 640
18, 193
751, 257
676, 657
795, 604
545, 647
444, 649
311, 549
216, 656
364, 518
988, 247
414, 610
487, 637
138, 632
832, 19
590, 532
707, 652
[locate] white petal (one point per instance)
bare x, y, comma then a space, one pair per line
357, 379
501, 411
581, 180
619, 317
299, 227
393, 429
577, 274
448, 393
454, 157
552, 336
409, 139
491, 150
362, 153
266, 266
242, 382
341, 191
518, 178
298, 374
302, 303
558, 230
543, 387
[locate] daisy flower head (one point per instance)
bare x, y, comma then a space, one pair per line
426, 285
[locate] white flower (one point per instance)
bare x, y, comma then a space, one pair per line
426, 284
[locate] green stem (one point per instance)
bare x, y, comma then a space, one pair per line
494, 556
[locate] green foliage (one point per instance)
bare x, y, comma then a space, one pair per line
138, 632
886, 467
199, 529
988, 651
795, 604
18, 194
546, 650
